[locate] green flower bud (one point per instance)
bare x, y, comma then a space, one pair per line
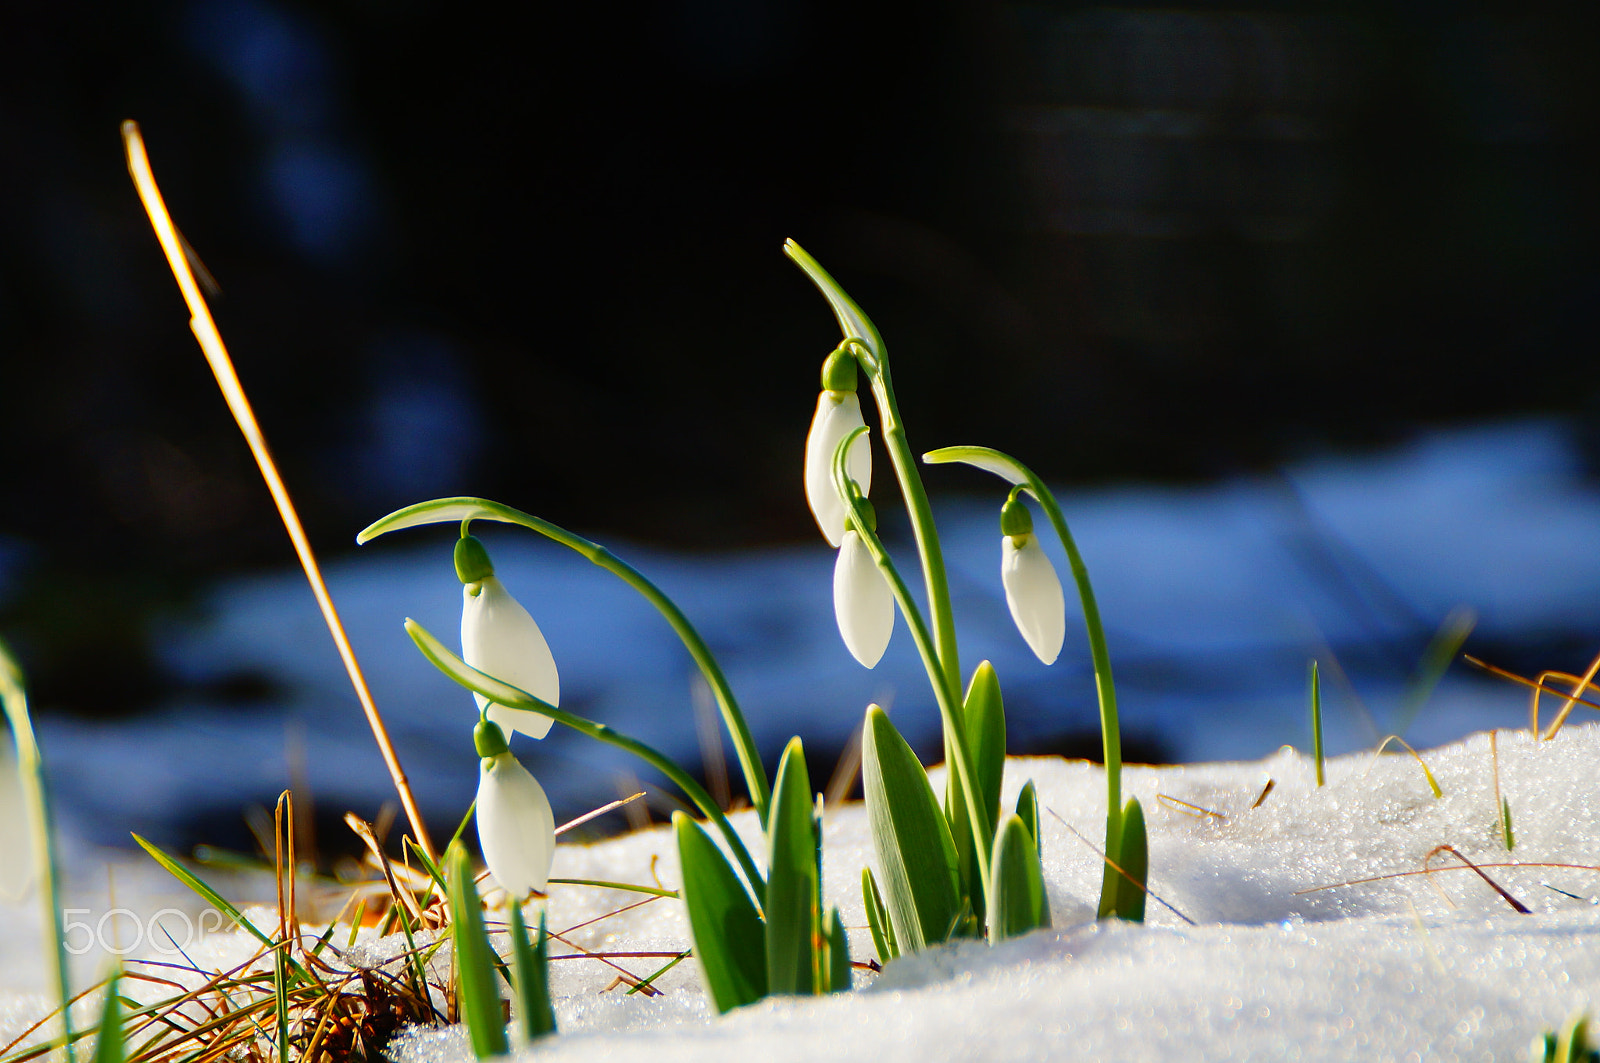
490, 740
472, 560
1015, 520
839, 371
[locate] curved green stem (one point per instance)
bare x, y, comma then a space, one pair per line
30, 768
874, 359
948, 697
449, 510
1014, 472
512, 698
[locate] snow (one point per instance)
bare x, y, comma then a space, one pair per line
1437, 967
1214, 597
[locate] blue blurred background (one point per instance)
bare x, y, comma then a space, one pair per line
1297, 303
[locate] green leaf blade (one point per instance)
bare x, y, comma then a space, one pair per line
729, 939
111, 1044
1020, 903
986, 733
536, 1017
479, 993
910, 836
1134, 857
792, 880
878, 918
211, 896
1028, 812
838, 954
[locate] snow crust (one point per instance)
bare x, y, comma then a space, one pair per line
1436, 967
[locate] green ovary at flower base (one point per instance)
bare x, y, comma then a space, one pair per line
500, 637
1033, 590
516, 827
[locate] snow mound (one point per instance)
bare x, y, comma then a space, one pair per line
1287, 957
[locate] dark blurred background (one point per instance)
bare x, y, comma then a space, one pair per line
533, 252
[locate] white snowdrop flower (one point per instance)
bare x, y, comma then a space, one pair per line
499, 637
1033, 591
838, 414
862, 601
516, 828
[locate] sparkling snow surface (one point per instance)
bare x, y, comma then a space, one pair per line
1436, 968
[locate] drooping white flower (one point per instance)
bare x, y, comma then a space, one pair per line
838, 414
862, 601
1033, 592
499, 637
516, 828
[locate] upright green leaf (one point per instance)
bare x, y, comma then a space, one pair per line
1028, 811
478, 992
729, 939
838, 954
878, 918
984, 719
792, 880
531, 964
1020, 903
111, 1044
910, 836
1134, 858
986, 735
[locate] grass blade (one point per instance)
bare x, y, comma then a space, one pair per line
211, 896
792, 881
36, 796
535, 1015
111, 1044
1314, 692
479, 993
1020, 903
910, 836
728, 936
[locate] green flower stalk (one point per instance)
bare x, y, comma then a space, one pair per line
465, 508
1021, 477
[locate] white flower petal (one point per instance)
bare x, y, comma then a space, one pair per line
838, 414
500, 638
516, 828
862, 601
1034, 594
